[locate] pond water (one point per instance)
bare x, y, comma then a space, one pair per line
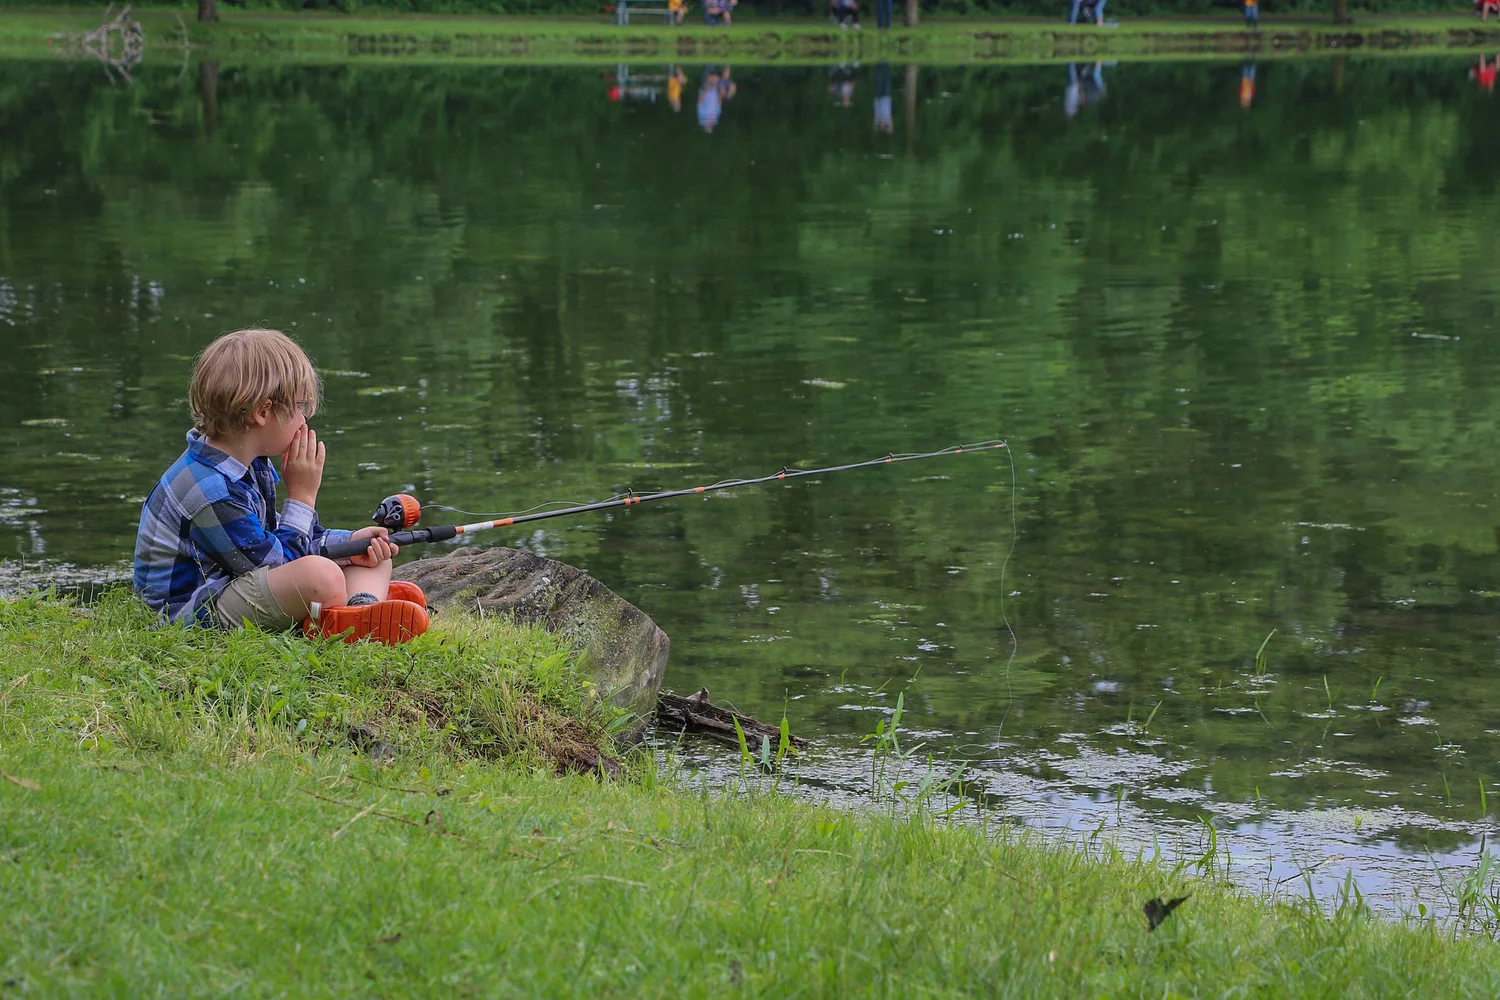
1240, 325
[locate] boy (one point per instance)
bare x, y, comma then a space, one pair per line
211, 549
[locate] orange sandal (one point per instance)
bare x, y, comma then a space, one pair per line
402, 591
390, 622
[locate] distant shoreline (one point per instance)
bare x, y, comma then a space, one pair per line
475, 38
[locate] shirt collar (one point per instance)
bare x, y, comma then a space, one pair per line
206, 453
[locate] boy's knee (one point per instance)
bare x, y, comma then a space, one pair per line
326, 574
315, 578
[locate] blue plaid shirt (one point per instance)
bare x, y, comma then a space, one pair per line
211, 519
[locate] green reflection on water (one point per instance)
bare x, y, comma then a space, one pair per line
1247, 359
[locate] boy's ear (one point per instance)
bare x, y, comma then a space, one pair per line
261, 415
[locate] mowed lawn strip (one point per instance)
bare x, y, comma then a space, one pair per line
318, 36
226, 847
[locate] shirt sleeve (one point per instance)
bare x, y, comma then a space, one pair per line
230, 533
299, 530
329, 537
299, 516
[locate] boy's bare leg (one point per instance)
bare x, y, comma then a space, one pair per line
297, 584
370, 580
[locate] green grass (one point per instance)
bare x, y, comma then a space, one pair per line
430, 38
471, 689
166, 829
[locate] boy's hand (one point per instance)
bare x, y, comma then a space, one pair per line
380, 548
302, 467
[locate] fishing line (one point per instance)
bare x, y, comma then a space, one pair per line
1015, 643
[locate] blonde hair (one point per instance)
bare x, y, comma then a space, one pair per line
241, 370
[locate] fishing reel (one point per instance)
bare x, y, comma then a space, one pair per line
397, 511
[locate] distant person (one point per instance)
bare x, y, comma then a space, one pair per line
1087, 10
1484, 73
677, 10
883, 120
883, 14
845, 13
716, 89
1247, 85
1252, 13
841, 84
1083, 88
716, 12
1484, 8
675, 79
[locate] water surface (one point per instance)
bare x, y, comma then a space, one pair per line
1238, 323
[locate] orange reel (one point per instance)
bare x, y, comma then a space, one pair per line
397, 511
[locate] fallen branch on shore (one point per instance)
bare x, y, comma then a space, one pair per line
699, 715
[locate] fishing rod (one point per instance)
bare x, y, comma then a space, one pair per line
401, 511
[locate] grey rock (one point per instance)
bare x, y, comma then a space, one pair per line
623, 651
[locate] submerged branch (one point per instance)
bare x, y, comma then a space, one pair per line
698, 714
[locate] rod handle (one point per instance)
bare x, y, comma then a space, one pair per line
358, 546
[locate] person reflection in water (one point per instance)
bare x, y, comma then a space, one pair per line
883, 121
675, 79
841, 84
1083, 88
1483, 73
1247, 85
716, 89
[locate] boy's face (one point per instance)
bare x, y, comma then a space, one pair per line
282, 429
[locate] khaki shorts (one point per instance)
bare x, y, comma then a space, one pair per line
248, 600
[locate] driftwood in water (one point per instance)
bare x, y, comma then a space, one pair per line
699, 715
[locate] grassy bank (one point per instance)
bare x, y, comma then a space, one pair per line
445, 38
194, 813
472, 690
